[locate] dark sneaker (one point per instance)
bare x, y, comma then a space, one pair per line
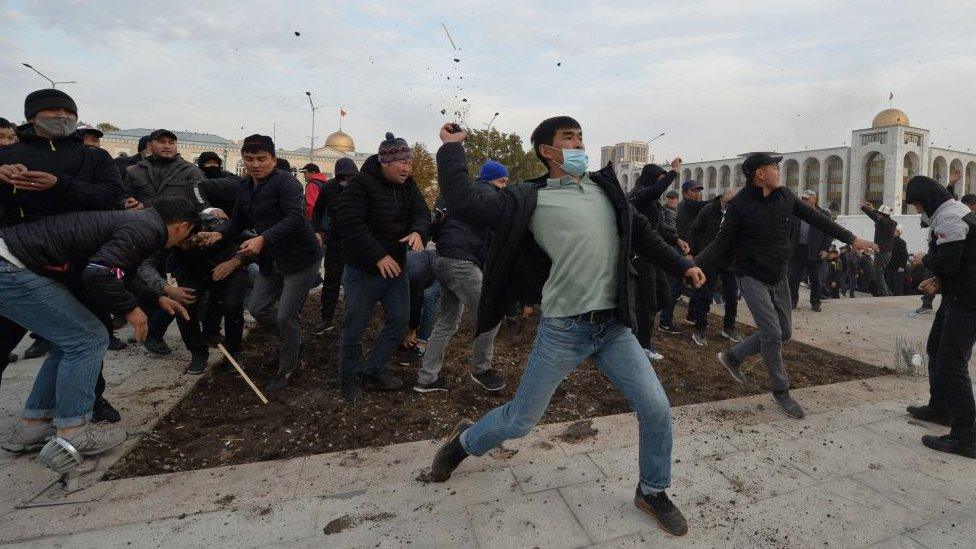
450, 454
489, 380
12, 357
116, 344
731, 334
28, 438
39, 348
732, 367
410, 356
815, 307
698, 336
351, 392
103, 412
91, 441
926, 413
157, 346
659, 506
381, 382
790, 407
198, 365
669, 329
922, 310
322, 327
950, 444
437, 385
279, 381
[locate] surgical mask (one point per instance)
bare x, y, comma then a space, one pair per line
575, 162
57, 127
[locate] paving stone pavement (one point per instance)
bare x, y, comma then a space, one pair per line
851, 474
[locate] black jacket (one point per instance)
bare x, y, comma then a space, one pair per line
374, 214
124, 162
705, 227
324, 213
756, 233
275, 209
687, 213
646, 198
817, 240
899, 255
884, 228
103, 248
952, 241
217, 192
517, 267
153, 177
87, 178
459, 239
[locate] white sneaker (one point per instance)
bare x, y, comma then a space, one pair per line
653, 355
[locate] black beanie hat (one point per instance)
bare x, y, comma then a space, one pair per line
207, 156
346, 166
393, 149
48, 99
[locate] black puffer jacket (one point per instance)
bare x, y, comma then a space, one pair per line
884, 228
87, 178
517, 267
103, 248
324, 213
374, 214
275, 209
124, 162
153, 178
687, 213
459, 239
217, 192
756, 233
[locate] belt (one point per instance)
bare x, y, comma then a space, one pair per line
596, 317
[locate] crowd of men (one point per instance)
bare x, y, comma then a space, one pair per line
88, 243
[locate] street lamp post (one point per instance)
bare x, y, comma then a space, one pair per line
53, 83
311, 145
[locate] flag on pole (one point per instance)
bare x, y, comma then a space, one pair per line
342, 112
891, 96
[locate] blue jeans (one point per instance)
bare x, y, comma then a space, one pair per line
431, 295
64, 388
561, 344
363, 292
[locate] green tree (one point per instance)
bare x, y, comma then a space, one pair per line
107, 127
507, 148
425, 173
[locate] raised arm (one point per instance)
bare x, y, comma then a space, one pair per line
464, 200
649, 193
869, 211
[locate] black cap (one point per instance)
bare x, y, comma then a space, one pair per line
143, 143
671, 194
691, 184
162, 133
757, 160
207, 156
258, 142
48, 99
310, 167
346, 166
82, 130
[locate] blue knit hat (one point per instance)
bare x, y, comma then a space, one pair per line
492, 170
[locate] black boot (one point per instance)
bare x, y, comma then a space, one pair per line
103, 412
198, 364
39, 348
964, 446
450, 455
663, 510
281, 379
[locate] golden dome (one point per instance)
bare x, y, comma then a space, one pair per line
340, 141
890, 117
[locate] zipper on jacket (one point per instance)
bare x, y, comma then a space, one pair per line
51, 142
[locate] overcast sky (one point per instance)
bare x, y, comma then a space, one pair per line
720, 77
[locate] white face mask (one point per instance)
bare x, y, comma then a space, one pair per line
58, 126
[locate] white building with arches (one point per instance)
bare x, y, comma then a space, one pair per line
875, 167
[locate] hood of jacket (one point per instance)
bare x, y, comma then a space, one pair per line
928, 192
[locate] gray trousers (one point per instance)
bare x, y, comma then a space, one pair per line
770, 305
460, 287
282, 318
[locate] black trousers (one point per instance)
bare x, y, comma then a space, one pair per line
799, 266
950, 346
701, 299
331, 280
646, 302
226, 296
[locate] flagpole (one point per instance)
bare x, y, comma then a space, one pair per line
340, 119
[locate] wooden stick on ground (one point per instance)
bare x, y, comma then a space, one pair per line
240, 371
